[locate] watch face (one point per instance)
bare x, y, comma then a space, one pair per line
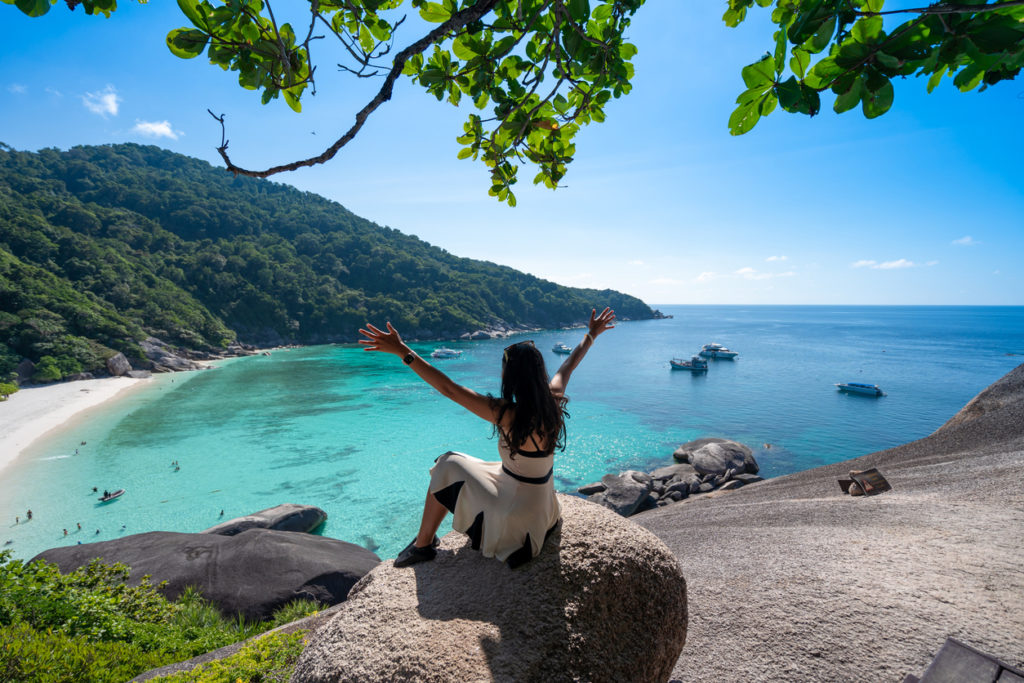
408, 359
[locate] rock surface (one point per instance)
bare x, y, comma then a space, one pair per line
632, 492
284, 517
798, 582
118, 365
604, 601
164, 358
622, 493
253, 573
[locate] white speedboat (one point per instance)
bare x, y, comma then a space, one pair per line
561, 348
445, 353
860, 388
717, 351
695, 364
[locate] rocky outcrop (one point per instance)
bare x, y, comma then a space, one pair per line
252, 574
717, 456
25, 370
604, 601
1008, 392
284, 517
118, 365
165, 359
718, 465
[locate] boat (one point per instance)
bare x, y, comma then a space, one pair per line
445, 353
561, 348
111, 495
695, 364
860, 388
717, 351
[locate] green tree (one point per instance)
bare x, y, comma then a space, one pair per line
47, 370
6, 389
539, 70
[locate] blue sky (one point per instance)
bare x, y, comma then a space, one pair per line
922, 206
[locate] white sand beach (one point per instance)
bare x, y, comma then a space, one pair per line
34, 411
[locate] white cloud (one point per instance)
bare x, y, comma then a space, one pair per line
17, 89
751, 274
898, 263
705, 276
965, 241
102, 102
156, 129
932, 263
54, 92
636, 262
887, 265
776, 258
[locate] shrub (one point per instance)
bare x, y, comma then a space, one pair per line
46, 370
268, 659
6, 389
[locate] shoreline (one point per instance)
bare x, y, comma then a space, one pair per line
34, 412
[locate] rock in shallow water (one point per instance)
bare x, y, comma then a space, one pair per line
284, 517
604, 601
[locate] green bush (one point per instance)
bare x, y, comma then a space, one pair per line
6, 389
31, 655
46, 370
268, 659
89, 625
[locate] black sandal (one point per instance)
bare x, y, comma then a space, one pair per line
412, 555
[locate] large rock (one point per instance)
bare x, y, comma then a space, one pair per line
118, 365
252, 574
164, 358
25, 370
717, 457
623, 493
604, 601
284, 517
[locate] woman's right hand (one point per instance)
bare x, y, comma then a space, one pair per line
602, 322
379, 340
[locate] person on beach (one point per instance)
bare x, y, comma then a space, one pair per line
506, 508
29, 515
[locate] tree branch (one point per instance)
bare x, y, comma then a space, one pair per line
465, 16
945, 8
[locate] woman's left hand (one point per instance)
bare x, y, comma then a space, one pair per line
379, 340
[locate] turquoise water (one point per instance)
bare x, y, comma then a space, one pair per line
355, 433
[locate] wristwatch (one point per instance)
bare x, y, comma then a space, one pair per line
409, 358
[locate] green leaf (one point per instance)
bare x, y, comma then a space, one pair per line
192, 12
823, 73
788, 93
780, 51
292, 100
462, 49
465, 153
849, 99
820, 40
867, 29
969, 77
579, 10
365, 39
602, 12
935, 78
800, 61
877, 103
744, 118
761, 73
33, 8
435, 13
887, 60
186, 42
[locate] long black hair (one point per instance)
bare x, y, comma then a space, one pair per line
525, 387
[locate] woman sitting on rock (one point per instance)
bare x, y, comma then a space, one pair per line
506, 508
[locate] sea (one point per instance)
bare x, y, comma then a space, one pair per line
355, 433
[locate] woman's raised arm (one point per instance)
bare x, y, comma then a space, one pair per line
391, 342
598, 324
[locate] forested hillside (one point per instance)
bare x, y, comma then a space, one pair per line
101, 247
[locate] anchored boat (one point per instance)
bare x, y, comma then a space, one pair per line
695, 364
860, 388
